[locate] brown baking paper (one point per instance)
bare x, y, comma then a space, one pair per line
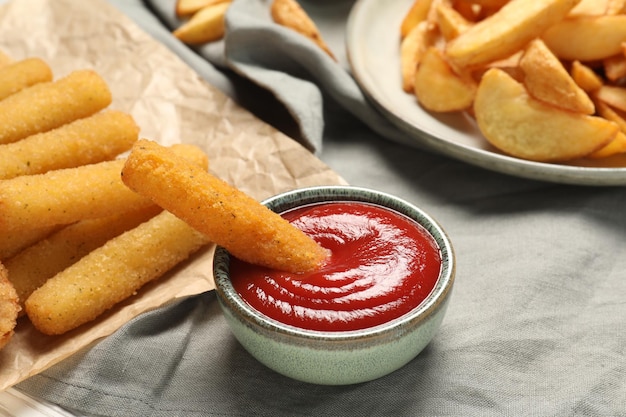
171, 104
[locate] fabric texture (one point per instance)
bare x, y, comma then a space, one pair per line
537, 321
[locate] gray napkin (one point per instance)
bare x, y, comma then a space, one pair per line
293, 69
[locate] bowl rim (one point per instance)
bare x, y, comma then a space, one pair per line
310, 195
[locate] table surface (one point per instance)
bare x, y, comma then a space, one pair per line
537, 320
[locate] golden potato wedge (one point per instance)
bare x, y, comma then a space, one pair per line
523, 127
585, 77
290, 14
613, 96
450, 22
590, 8
416, 14
185, 8
207, 25
615, 67
506, 31
546, 79
618, 144
611, 114
587, 38
490, 3
439, 88
614, 147
412, 48
616, 7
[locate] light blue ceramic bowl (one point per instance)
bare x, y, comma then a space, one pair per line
347, 357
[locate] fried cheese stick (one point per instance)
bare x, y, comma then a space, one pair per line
13, 241
32, 267
46, 106
68, 195
96, 138
229, 217
112, 273
22, 74
9, 308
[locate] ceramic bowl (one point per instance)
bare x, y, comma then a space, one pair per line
343, 357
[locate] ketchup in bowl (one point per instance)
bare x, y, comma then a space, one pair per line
381, 266
375, 304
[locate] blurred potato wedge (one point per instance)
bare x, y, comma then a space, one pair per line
207, 25
615, 147
585, 77
412, 48
417, 13
618, 144
290, 14
439, 88
590, 8
615, 67
523, 127
613, 96
450, 22
185, 8
546, 79
587, 38
506, 31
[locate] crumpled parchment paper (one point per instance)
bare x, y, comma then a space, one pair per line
171, 103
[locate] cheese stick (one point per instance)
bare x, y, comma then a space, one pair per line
96, 138
229, 217
68, 195
22, 74
112, 273
46, 106
33, 266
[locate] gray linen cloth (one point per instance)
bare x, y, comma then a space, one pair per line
537, 322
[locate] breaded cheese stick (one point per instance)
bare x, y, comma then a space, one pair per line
112, 273
229, 217
4, 59
68, 195
32, 267
14, 241
46, 106
96, 138
22, 74
9, 308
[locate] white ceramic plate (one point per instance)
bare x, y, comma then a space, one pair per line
373, 50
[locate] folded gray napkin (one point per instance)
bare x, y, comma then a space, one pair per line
292, 68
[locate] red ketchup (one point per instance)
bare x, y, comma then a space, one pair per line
382, 266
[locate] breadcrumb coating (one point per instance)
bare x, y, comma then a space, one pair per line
9, 308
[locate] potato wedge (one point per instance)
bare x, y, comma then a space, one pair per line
185, 8
615, 147
590, 8
506, 31
207, 25
615, 67
450, 22
585, 77
524, 127
618, 144
546, 79
412, 48
587, 38
439, 88
613, 96
290, 14
416, 14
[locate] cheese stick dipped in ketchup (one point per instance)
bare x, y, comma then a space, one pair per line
227, 216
